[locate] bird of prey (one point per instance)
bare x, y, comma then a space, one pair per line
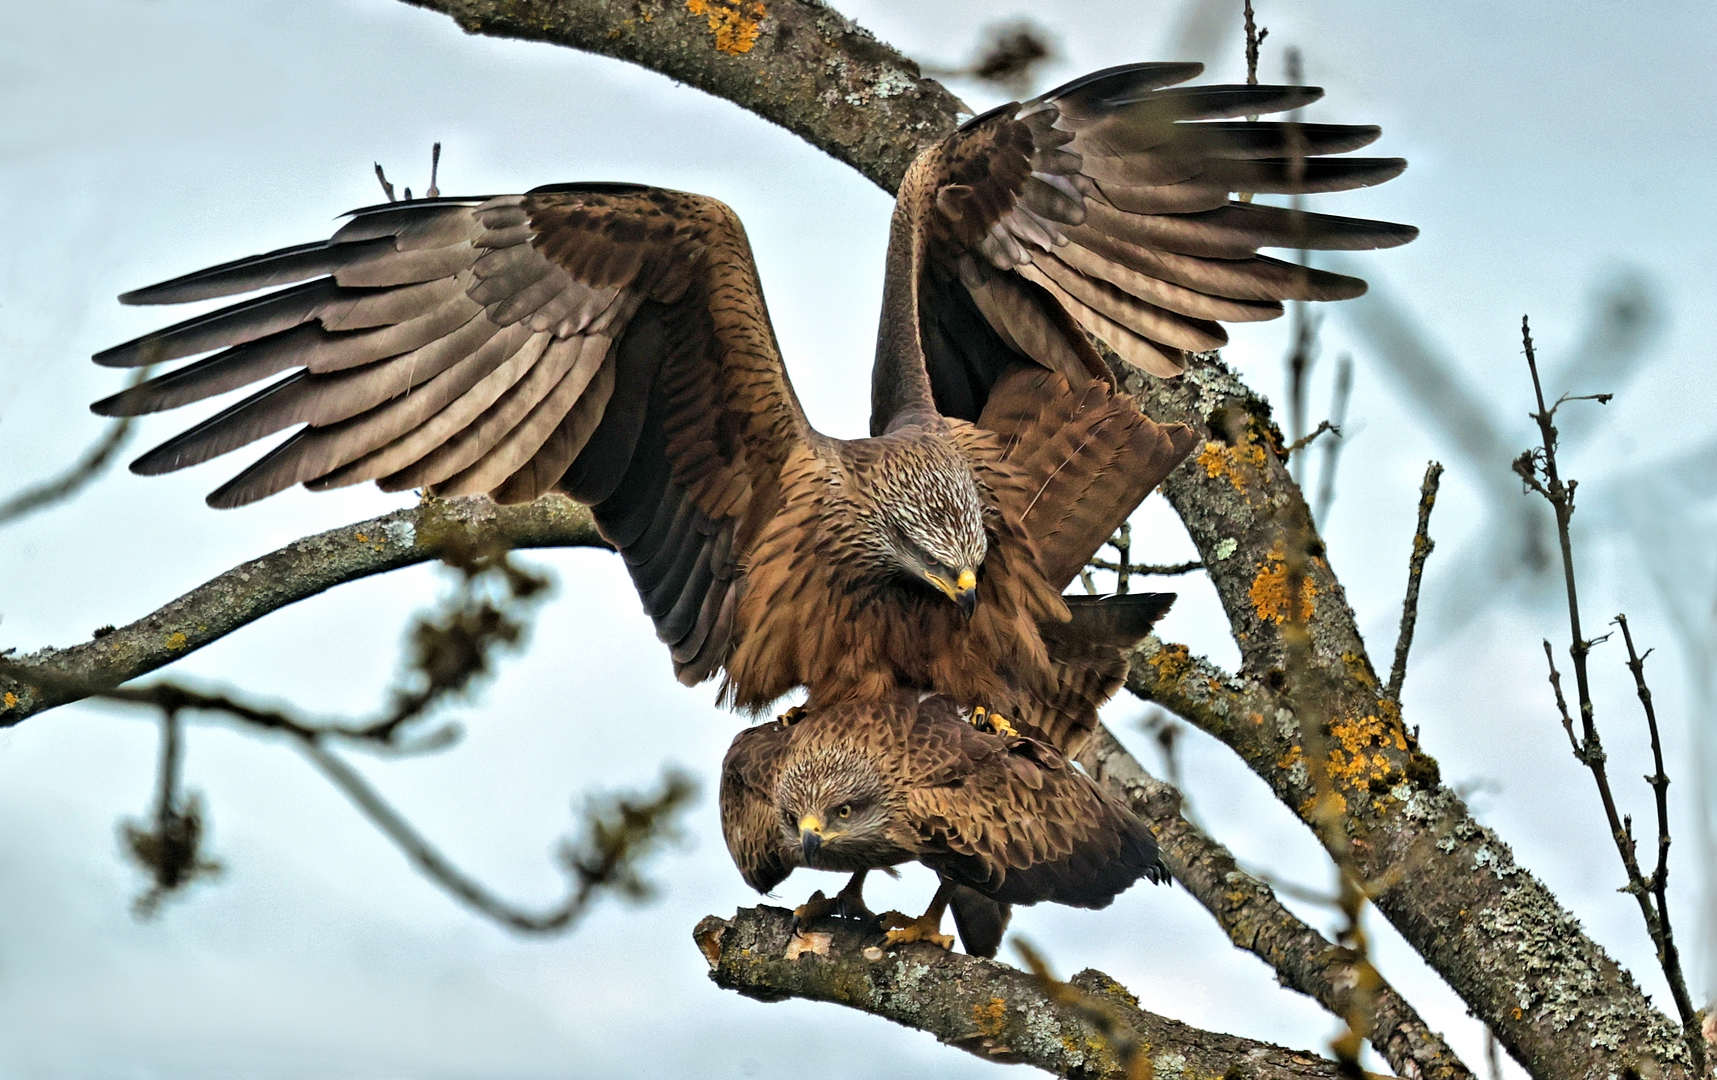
610, 342
1002, 818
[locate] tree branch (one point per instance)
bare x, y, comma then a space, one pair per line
988, 1009
295, 572
1423, 545
1248, 911
796, 63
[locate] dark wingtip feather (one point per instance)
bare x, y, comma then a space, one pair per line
1113, 85
1238, 99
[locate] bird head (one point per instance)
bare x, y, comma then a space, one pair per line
834, 808
925, 520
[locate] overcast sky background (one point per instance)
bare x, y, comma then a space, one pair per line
1552, 149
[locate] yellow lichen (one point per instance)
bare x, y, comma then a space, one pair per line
362, 539
177, 640
1171, 662
991, 1019
733, 22
11, 700
1220, 459
1269, 590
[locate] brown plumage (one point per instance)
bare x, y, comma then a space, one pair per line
1002, 819
611, 342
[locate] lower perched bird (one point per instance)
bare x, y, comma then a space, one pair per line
1002, 818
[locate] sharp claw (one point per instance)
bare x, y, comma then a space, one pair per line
993, 722
792, 716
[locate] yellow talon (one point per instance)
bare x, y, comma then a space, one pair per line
792, 716
995, 723
907, 930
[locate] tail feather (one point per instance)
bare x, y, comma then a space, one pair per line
980, 921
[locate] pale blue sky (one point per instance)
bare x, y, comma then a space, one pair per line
1549, 146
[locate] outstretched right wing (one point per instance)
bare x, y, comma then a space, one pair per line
608, 340
1103, 207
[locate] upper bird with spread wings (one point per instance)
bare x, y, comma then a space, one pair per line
610, 341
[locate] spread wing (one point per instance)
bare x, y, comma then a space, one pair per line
1104, 206
748, 776
606, 340
1014, 820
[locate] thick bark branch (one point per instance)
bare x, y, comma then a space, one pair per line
796, 63
1519, 960
1247, 909
295, 572
983, 1007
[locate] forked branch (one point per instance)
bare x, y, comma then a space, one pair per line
1538, 470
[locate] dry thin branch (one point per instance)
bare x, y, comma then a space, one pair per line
1307, 439
295, 572
172, 851
1538, 470
988, 1009
1342, 393
1255, 36
92, 464
1148, 569
1422, 548
1248, 911
1668, 956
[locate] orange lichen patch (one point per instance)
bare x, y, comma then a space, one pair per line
10, 700
1220, 459
1171, 662
1309, 808
992, 1019
733, 22
362, 539
177, 640
1289, 759
1269, 590
1355, 761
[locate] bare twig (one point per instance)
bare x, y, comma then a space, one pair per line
1148, 569
1668, 956
1306, 440
387, 188
620, 835
434, 191
1537, 468
1332, 446
92, 464
1422, 548
1255, 36
171, 852
1008, 57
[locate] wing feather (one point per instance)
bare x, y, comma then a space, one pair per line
607, 340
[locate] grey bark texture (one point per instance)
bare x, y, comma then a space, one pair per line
989, 1009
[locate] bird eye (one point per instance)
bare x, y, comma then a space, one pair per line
845, 810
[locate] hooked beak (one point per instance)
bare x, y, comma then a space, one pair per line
963, 591
810, 835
